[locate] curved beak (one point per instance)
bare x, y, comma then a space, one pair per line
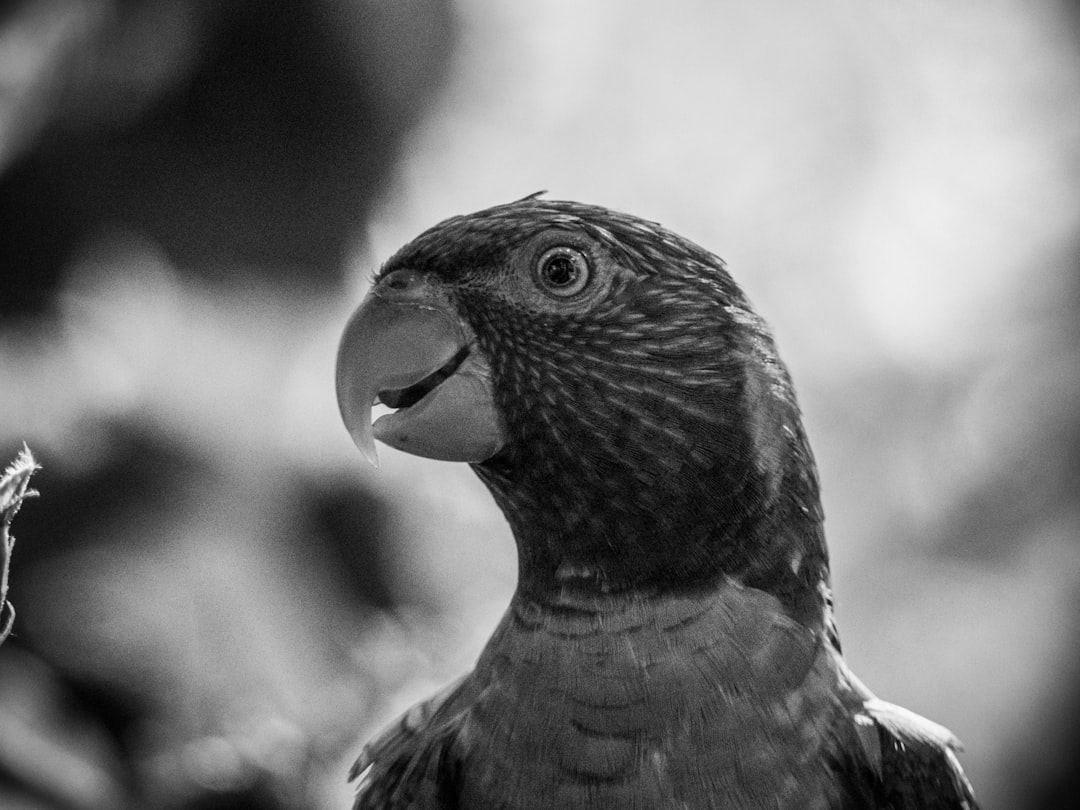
407, 348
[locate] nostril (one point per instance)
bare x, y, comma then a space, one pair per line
401, 280
406, 285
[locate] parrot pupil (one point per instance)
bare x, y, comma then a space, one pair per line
561, 271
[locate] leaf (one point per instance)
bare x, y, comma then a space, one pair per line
14, 488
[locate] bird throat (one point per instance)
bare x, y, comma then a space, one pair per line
582, 540
638, 474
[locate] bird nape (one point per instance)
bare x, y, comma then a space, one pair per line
670, 642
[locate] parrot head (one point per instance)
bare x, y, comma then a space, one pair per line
608, 381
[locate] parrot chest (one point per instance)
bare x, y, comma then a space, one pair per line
698, 702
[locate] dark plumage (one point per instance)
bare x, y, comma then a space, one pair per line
671, 642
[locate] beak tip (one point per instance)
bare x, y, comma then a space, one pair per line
366, 445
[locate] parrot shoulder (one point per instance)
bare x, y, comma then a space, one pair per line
411, 763
907, 762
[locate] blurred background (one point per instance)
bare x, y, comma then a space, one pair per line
218, 601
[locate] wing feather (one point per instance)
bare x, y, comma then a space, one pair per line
413, 763
905, 762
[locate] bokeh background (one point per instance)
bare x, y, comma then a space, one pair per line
218, 602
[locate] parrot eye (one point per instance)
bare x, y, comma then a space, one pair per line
562, 271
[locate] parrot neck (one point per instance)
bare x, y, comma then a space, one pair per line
581, 547
638, 468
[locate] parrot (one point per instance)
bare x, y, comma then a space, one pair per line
670, 642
